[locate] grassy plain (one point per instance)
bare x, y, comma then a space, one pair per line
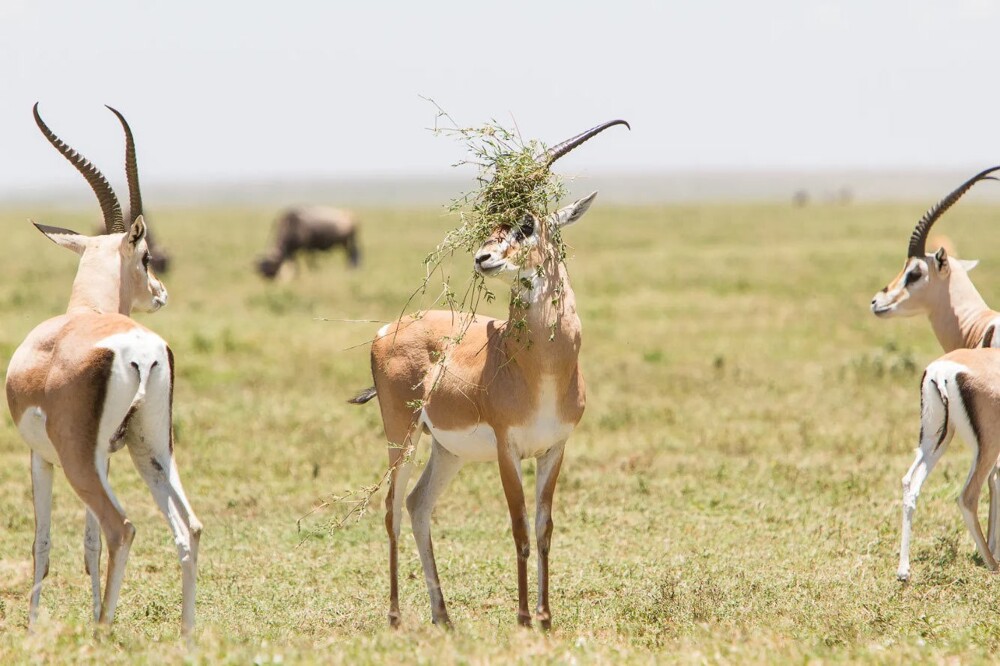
732, 494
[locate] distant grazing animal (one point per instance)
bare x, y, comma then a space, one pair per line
493, 395
312, 229
959, 389
87, 383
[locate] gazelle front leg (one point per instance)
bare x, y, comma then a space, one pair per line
41, 495
92, 554
513, 490
440, 470
546, 472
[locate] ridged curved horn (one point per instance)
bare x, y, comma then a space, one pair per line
131, 170
557, 151
105, 195
918, 239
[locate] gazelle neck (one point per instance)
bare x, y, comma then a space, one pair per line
960, 321
98, 288
550, 335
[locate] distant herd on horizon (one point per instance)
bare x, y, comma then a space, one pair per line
90, 382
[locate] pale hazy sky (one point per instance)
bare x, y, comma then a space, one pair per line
251, 90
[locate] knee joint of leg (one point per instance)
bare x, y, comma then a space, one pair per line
196, 528
524, 550
127, 533
413, 505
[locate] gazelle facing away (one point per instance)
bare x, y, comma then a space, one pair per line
495, 396
84, 384
939, 286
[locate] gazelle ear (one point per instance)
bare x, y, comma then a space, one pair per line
941, 260
64, 237
136, 233
573, 212
967, 264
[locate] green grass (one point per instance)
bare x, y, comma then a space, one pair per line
732, 494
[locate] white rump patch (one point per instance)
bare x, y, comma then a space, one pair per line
944, 373
137, 352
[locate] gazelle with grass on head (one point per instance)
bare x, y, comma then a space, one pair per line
87, 383
938, 284
489, 394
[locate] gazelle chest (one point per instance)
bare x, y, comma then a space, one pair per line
543, 427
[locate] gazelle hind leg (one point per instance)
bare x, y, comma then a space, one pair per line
440, 470
159, 473
92, 554
91, 484
546, 472
936, 431
400, 468
992, 531
968, 502
41, 495
187, 513
92, 558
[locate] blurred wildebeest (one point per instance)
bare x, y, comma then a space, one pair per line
311, 229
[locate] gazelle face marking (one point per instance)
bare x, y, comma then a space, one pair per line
903, 296
921, 281
508, 250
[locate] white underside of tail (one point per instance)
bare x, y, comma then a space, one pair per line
944, 376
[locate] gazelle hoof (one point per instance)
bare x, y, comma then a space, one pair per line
524, 620
394, 619
903, 576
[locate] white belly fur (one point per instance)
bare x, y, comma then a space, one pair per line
531, 439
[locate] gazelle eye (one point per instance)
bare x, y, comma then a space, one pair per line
526, 229
911, 277
145, 260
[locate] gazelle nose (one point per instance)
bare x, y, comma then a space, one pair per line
483, 257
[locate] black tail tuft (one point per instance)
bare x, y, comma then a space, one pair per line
364, 396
